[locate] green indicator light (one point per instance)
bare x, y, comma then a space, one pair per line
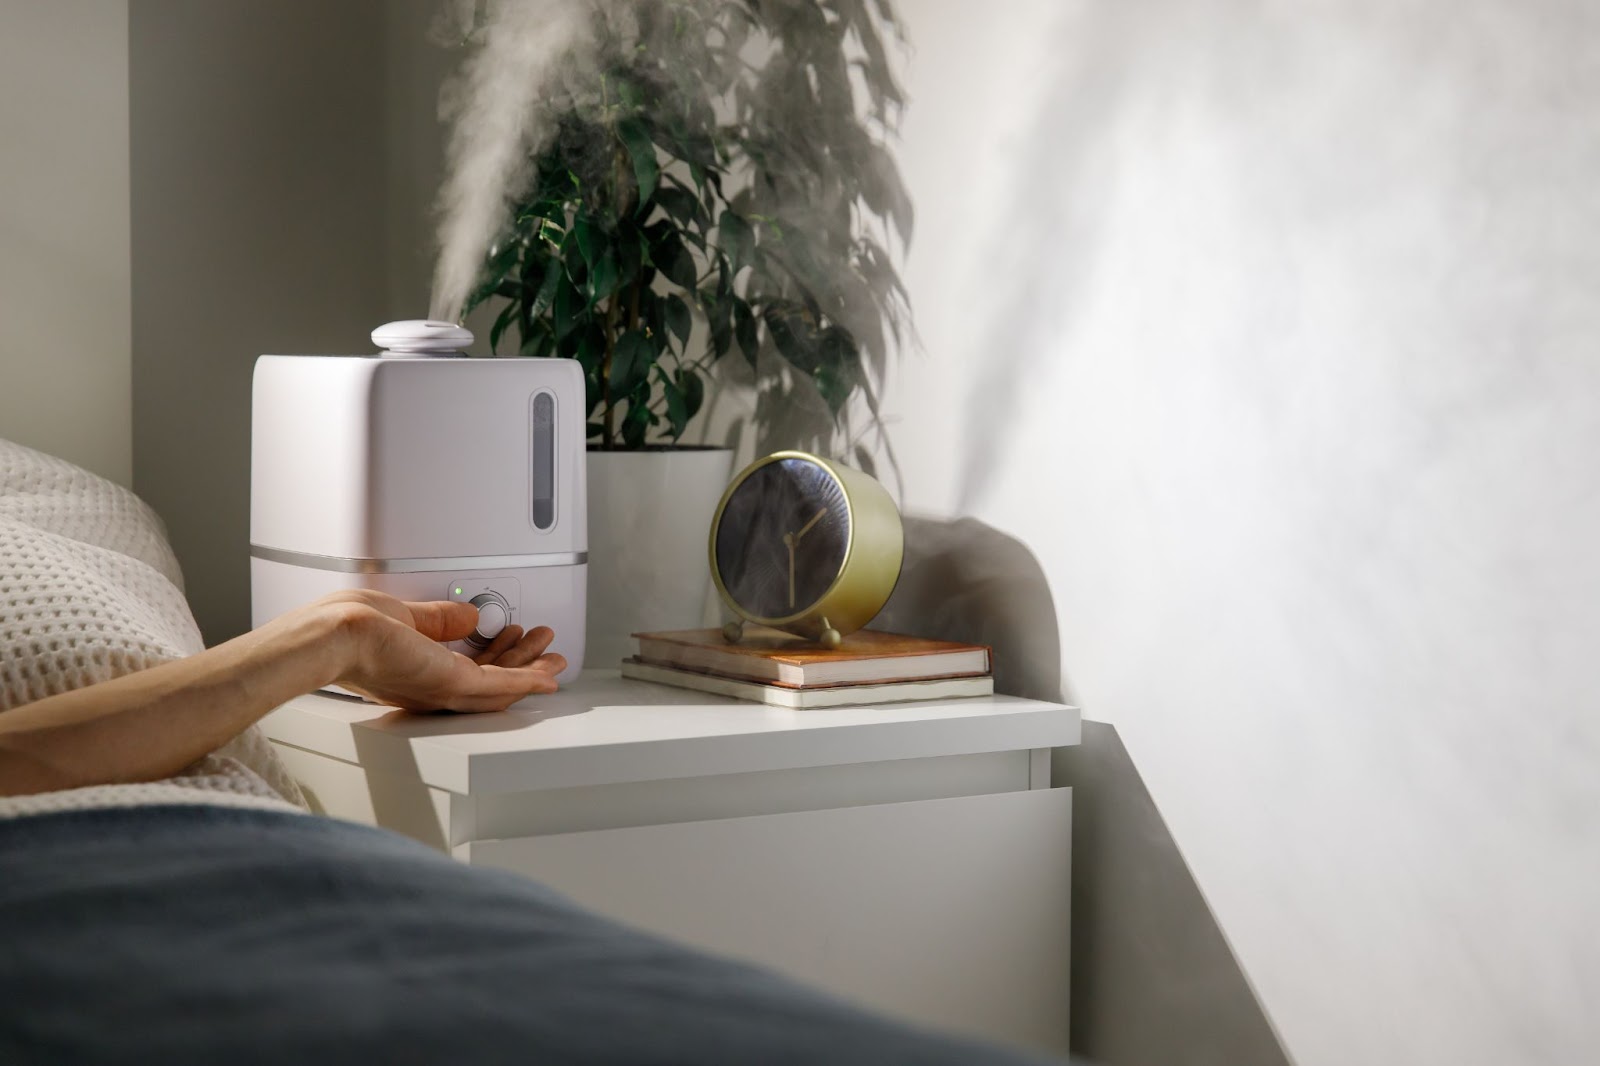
458, 591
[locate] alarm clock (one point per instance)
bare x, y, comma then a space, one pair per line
805, 545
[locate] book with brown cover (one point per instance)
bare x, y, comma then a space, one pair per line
772, 657
816, 697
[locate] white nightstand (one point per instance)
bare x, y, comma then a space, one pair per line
910, 856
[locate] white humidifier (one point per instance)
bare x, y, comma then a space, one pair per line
426, 475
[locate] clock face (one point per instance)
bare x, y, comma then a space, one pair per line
782, 538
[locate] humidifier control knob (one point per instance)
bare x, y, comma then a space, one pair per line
493, 614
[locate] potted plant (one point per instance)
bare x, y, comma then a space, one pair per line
712, 210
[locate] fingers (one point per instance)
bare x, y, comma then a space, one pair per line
503, 642
404, 661
553, 664
471, 687
513, 648
526, 650
444, 619
497, 688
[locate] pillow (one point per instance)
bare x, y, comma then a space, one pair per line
90, 590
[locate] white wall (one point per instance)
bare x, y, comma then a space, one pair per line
64, 269
1271, 331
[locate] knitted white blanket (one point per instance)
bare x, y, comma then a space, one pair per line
89, 591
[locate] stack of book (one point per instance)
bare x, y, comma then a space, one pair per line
771, 667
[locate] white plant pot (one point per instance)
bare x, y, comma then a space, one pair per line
649, 517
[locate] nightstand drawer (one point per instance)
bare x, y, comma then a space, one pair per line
442, 819
908, 856
952, 912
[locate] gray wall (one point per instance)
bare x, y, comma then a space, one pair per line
64, 271
1270, 330
259, 197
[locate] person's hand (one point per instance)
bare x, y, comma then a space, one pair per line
393, 654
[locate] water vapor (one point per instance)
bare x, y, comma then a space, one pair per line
520, 51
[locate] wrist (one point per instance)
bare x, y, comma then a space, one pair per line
309, 648
335, 639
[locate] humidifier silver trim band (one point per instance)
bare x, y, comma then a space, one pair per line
345, 565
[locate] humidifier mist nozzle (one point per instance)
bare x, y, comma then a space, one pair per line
422, 337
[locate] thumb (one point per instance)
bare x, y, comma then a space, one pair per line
444, 619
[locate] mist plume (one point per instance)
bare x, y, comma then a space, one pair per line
497, 125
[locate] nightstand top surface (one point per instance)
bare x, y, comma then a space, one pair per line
605, 729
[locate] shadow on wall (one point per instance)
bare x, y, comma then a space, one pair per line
963, 580
1153, 980
1051, 230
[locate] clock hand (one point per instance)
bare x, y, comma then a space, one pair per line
814, 520
790, 540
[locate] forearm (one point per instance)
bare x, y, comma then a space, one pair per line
152, 724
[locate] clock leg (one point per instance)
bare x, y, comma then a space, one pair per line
733, 632
830, 636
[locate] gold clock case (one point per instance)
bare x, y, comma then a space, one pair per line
873, 553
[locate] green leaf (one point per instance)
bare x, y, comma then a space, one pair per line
836, 347
507, 316
628, 93
538, 346
636, 423
569, 307
693, 389
649, 320
834, 387
696, 149
744, 330
502, 258
673, 260
591, 239
736, 239
642, 153
591, 348
679, 319
838, 367
631, 361
545, 298
573, 265
791, 333
629, 252
677, 408
681, 204
719, 316
605, 277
